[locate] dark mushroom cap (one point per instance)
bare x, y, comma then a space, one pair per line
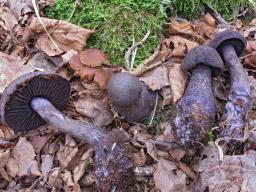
16, 110
233, 38
124, 89
204, 55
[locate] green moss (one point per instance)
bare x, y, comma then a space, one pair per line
190, 9
116, 21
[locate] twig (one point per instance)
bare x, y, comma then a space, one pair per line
248, 55
132, 48
73, 11
154, 111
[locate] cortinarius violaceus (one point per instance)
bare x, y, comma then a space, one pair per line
230, 45
196, 109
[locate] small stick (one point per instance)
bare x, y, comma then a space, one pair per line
132, 48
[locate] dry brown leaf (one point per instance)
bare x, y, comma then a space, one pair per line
235, 173
10, 69
54, 178
157, 78
179, 45
166, 93
4, 157
71, 186
139, 158
97, 109
65, 154
24, 154
12, 167
7, 20
66, 35
206, 27
185, 29
167, 133
177, 79
168, 178
38, 142
6, 132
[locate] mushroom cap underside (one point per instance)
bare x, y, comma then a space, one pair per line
232, 38
203, 55
16, 110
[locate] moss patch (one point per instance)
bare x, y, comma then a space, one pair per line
116, 22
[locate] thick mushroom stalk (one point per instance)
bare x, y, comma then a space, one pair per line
130, 97
196, 109
33, 99
230, 45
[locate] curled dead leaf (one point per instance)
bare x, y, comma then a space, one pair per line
97, 109
65, 35
157, 78
24, 155
168, 178
177, 79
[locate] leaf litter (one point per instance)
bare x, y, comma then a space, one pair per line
44, 160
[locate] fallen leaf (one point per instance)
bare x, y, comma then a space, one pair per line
66, 35
233, 173
157, 78
40, 62
185, 29
68, 180
65, 154
177, 79
24, 154
12, 167
10, 69
97, 109
54, 178
4, 157
168, 178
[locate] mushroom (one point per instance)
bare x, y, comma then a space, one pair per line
196, 109
230, 45
36, 98
130, 97
93, 57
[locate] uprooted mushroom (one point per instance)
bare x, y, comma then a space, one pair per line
36, 98
231, 45
196, 109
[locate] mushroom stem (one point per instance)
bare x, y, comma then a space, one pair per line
200, 81
113, 164
236, 109
81, 130
196, 109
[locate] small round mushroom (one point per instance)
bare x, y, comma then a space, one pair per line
231, 45
130, 97
196, 109
36, 98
